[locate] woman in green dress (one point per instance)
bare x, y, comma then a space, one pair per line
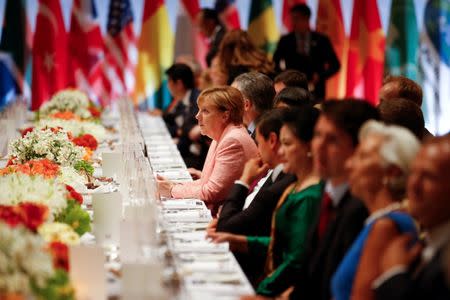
295, 212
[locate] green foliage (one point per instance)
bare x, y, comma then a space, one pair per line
84, 166
75, 217
57, 287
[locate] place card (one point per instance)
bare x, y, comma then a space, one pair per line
87, 272
107, 216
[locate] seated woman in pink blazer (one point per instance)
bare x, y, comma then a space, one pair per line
220, 118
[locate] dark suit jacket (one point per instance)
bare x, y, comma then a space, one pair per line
215, 44
321, 59
429, 283
323, 258
257, 218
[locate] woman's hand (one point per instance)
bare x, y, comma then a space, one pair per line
212, 226
402, 251
195, 174
253, 169
164, 186
237, 242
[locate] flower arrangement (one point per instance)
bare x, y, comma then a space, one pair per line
18, 188
26, 268
63, 202
71, 100
76, 127
48, 169
48, 143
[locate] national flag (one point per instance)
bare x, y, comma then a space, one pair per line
228, 13
262, 26
286, 14
435, 65
87, 51
402, 41
331, 23
366, 53
188, 39
12, 53
50, 53
121, 43
155, 55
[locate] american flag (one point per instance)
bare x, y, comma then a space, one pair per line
121, 44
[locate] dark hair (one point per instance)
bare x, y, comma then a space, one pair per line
403, 87
349, 114
258, 88
270, 121
210, 14
403, 112
292, 78
294, 96
302, 9
301, 121
181, 72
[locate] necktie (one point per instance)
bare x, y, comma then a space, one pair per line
326, 209
255, 182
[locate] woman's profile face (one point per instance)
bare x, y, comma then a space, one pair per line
211, 120
366, 171
293, 151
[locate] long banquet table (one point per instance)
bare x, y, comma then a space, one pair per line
208, 271
142, 246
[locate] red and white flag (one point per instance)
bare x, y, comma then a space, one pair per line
50, 55
121, 45
87, 52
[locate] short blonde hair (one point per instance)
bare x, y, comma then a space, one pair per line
225, 98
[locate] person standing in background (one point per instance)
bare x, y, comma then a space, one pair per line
307, 51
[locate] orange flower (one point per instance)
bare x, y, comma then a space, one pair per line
65, 115
43, 167
87, 156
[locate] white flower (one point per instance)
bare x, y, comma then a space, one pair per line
67, 100
17, 188
46, 144
76, 127
70, 176
22, 259
59, 232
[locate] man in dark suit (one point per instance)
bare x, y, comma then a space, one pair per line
307, 51
341, 216
210, 26
407, 274
250, 212
179, 116
249, 206
259, 93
